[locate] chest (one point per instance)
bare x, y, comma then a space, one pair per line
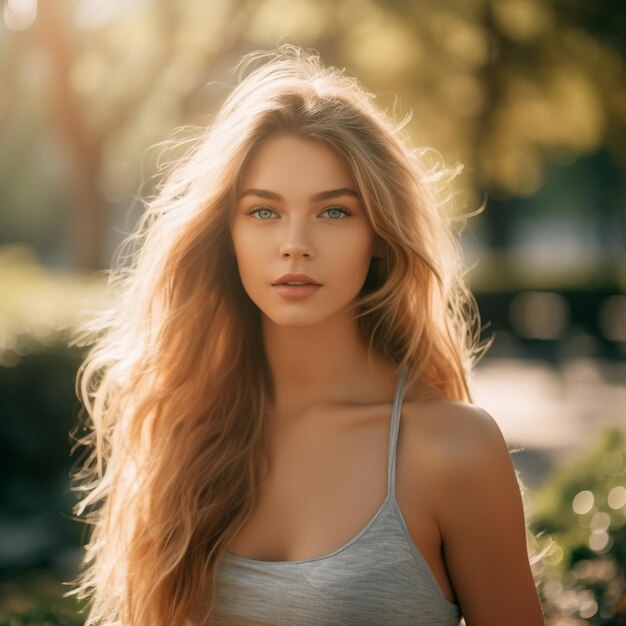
325, 482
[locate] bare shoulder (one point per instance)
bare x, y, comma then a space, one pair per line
463, 450
477, 505
478, 508
457, 433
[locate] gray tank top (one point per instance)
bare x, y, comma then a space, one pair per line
378, 578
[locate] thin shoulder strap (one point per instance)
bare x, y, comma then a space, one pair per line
393, 434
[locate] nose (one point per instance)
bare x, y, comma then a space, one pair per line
294, 250
296, 244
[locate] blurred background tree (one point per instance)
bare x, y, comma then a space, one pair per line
514, 89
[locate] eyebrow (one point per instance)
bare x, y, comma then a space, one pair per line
316, 197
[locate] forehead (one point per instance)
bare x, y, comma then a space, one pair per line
288, 162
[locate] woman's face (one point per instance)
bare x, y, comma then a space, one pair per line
298, 211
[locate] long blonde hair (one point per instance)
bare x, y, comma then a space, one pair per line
175, 384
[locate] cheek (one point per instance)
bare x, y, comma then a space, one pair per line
366, 253
348, 260
245, 251
252, 251
357, 250
246, 245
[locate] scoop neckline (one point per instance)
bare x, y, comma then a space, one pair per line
345, 546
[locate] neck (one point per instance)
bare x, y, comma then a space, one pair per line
322, 364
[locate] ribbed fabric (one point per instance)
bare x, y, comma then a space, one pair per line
377, 578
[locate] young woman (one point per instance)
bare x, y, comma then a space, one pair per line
281, 426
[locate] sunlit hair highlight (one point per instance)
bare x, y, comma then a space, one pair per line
175, 383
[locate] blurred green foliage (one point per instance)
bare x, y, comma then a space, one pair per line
35, 599
580, 516
40, 307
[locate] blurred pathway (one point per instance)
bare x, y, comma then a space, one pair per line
552, 413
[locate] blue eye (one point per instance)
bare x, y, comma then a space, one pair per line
261, 212
256, 211
342, 211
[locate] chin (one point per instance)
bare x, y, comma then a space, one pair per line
294, 321
307, 317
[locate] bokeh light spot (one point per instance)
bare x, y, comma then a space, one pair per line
539, 315
588, 606
582, 502
617, 497
599, 542
600, 522
612, 318
19, 14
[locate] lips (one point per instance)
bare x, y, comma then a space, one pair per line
295, 278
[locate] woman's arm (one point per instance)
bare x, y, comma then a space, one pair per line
481, 517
